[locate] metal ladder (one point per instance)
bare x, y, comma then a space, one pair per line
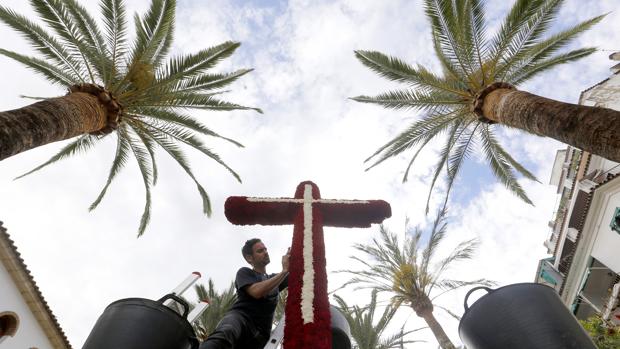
276, 336
202, 305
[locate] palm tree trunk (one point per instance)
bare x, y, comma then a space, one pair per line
438, 331
593, 129
51, 120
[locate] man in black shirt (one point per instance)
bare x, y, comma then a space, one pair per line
248, 323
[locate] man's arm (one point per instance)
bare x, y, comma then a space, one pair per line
261, 289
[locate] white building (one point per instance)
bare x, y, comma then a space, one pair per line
585, 237
26, 321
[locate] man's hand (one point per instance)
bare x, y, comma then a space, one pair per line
285, 260
262, 288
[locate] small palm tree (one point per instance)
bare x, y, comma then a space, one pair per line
131, 90
280, 307
367, 334
411, 273
219, 304
475, 92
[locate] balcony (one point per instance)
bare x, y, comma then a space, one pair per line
595, 294
548, 275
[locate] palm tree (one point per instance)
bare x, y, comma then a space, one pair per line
219, 304
476, 90
410, 272
280, 307
365, 332
131, 90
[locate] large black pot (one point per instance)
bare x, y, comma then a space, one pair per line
519, 316
138, 323
341, 331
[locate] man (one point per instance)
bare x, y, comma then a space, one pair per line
248, 323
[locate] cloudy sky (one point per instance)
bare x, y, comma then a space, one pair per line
305, 70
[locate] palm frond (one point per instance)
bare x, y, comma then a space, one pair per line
194, 101
44, 43
120, 159
115, 25
365, 331
464, 144
397, 70
81, 144
445, 157
476, 38
447, 32
501, 163
410, 99
463, 251
164, 115
186, 137
154, 32
415, 134
437, 234
191, 65
143, 157
56, 14
91, 34
150, 147
516, 19
208, 82
449, 284
450, 312
49, 71
539, 19
166, 142
544, 49
532, 70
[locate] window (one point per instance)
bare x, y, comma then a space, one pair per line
9, 322
615, 221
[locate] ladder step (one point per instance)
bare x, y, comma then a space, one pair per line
276, 336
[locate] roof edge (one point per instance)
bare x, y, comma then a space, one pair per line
11, 259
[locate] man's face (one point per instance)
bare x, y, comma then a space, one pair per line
260, 256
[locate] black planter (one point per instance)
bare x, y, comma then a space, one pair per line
341, 331
519, 316
138, 323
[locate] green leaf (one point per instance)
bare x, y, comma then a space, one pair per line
49, 71
167, 116
410, 99
186, 137
115, 25
501, 166
44, 43
143, 157
81, 144
57, 15
166, 142
120, 159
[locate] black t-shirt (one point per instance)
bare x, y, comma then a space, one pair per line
260, 311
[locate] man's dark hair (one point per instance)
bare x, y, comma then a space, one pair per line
246, 250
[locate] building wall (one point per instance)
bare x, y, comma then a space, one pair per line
29, 334
607, 245
586, 250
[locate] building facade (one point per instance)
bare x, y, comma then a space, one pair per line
26, 321
584, 243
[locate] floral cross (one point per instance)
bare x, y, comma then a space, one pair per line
307, 312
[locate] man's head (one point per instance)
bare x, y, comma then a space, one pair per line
255, 253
